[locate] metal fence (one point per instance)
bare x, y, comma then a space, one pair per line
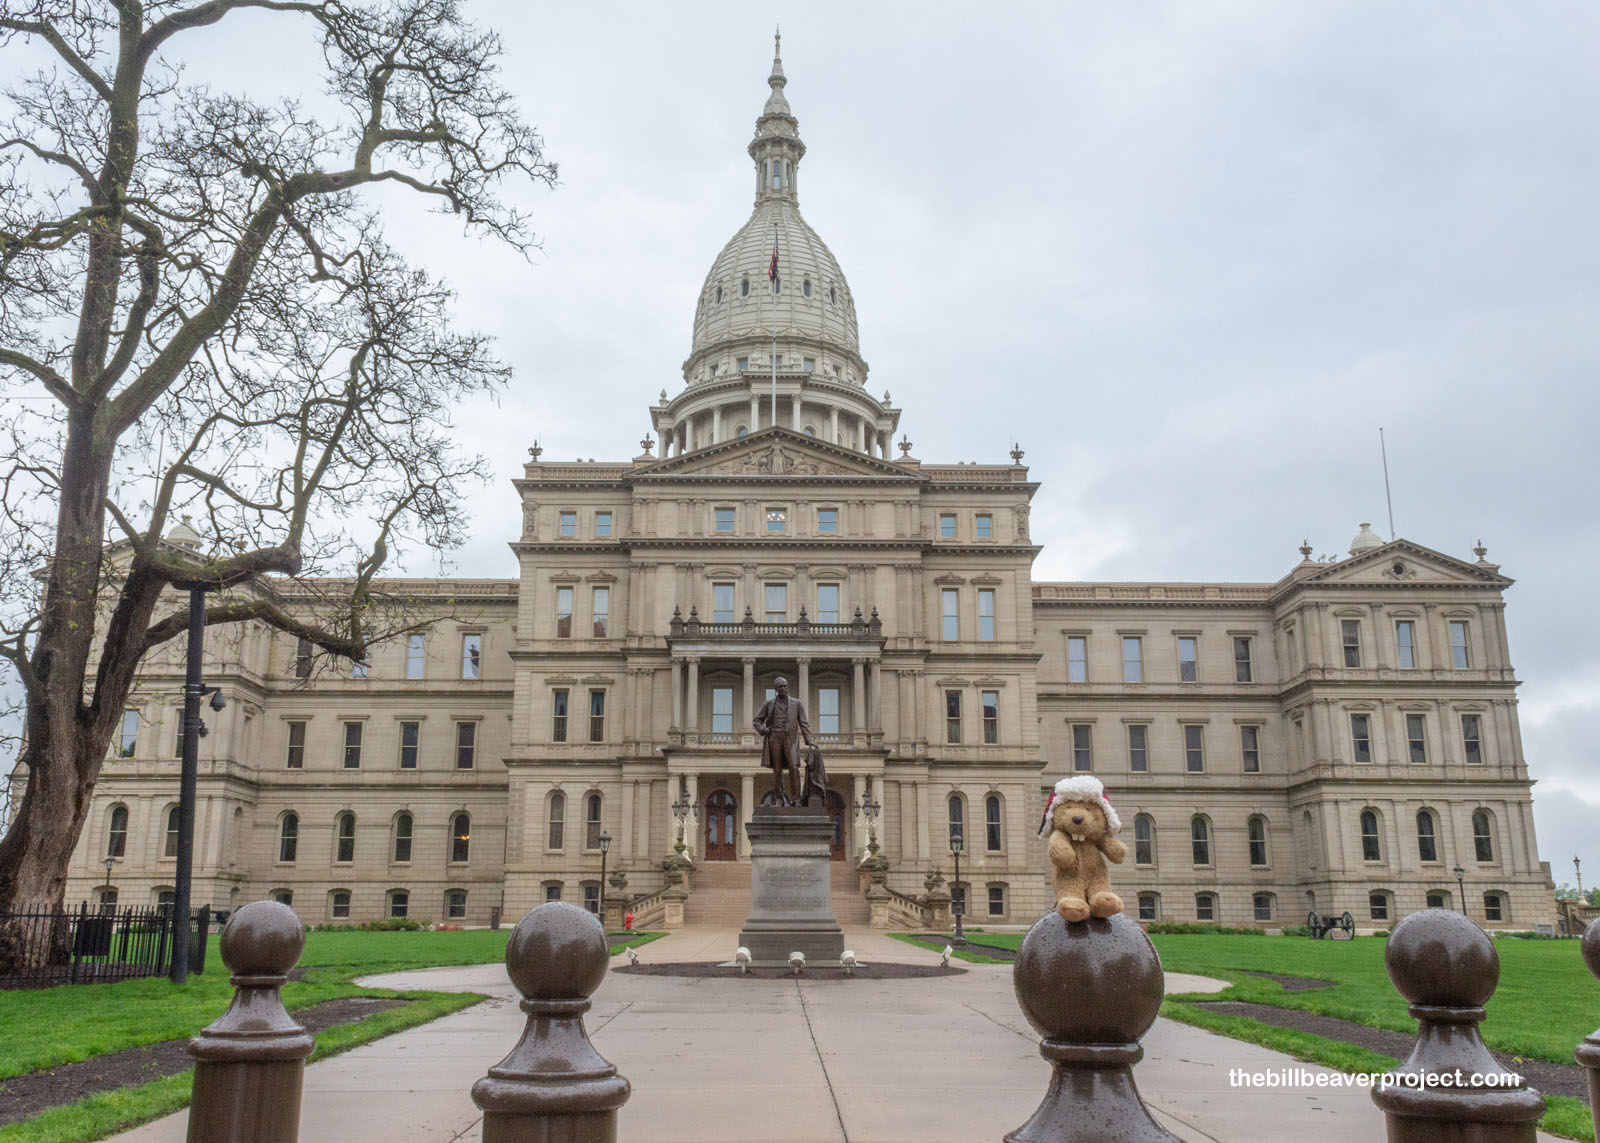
93, 944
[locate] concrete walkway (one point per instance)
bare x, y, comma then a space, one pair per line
933, 1060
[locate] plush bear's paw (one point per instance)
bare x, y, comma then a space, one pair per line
1105, 904
1073, 909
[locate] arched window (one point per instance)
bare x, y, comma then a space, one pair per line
991, 822
719, 294
1205, 906
288, 836
455, 905
558, 821
345, 838
1309, 830
1257, 831
399, 901
805, 287
741, 431
339, 905
833, 296
402, 839
1371, 849
1144, 840
171, 848
1378, 905
460, 837
1494, 907
117, 832
744, 288
958, 817
1200, 840
1427, 838
1482, 836
591, 822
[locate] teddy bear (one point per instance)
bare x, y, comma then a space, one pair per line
1082, 828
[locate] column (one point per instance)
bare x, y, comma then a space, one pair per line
858, 697
716, 424
626, 832
747, 801
861, 434
691, 720
803, 690
922, 821
833, 425
677, 693
794, 413
683, 438
755, 411
875, 697
749, 694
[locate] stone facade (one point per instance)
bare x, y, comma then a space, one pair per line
1339, 739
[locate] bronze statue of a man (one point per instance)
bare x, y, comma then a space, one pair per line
782, 724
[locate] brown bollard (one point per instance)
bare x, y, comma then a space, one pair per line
251, 1063
1588, 1053
1091, 989
554, 1087
1447, 968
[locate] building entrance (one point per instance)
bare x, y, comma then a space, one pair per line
722, 824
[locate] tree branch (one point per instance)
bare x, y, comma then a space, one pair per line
48, 33
52, 381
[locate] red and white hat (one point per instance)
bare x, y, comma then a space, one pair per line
1080, 788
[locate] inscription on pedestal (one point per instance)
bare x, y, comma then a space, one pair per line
791, 906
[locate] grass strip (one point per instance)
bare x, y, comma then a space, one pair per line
106, 1113
960, 952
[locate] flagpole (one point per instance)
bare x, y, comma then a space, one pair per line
774, 277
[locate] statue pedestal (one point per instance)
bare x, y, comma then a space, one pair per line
791, 903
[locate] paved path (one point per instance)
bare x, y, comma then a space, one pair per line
935, 1060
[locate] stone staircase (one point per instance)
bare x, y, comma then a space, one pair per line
721, 895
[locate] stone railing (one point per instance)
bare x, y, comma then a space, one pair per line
859, 627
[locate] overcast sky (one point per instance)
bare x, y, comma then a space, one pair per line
1192, 256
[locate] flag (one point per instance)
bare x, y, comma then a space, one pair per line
772, 270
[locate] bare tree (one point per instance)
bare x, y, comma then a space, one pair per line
194, 276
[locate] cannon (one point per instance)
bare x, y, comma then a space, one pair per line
1323, 924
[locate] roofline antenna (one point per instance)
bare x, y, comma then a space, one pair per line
1388, 499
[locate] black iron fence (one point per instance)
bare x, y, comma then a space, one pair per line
93, 944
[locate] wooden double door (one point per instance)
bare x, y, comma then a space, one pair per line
722, 825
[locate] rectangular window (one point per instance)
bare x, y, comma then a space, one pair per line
341, 906
947, 526
952, 716
352, 745
1243, 669
722, 603
1458, 644
1139, 748
743, 363
302, 658
991, 717
950, 614
410, 744
1263, 906
1194, 748
776, 596
1188, 659
456, 904
827, 603
399, 903
1416, 738
558, 715
1132, 659
983, 526
1472, 738
827, 521
723, 519
416, 652
997, 901
602, 524
466, 745
591, 898
777, 519
552, 891
1493, 910
1378, 906
1250, 748
129, 737
986, 614
992, 834
809, 364
563, 613
569, 525
1147, 906
1077, 658
828, 710
721, 710
1351, 634
1405, 644
296, 758
600, 611
471, 656
1361, 737
1082, 747
1205, 907
597, 716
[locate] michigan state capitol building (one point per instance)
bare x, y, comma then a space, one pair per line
1343, 737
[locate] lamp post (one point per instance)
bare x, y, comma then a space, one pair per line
110, 863
868, 809
680, 814
605, 847
1577, 868
958, 905
193, 729
1461, 891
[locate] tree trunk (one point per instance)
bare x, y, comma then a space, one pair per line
35, 853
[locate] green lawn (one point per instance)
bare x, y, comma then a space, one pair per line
85, 1021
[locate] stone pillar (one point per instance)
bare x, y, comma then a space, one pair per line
716, 424
803, 682
683, 437
691, 715
677, 693
875, 697
747, 801
750, 707
755, 411
794, 414
625, 834
554, 1085
250, 1064
833, 424
858, 696
861, 434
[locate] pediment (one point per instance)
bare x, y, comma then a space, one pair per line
1401, 562
774, 452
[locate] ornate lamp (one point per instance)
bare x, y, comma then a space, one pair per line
958, 905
